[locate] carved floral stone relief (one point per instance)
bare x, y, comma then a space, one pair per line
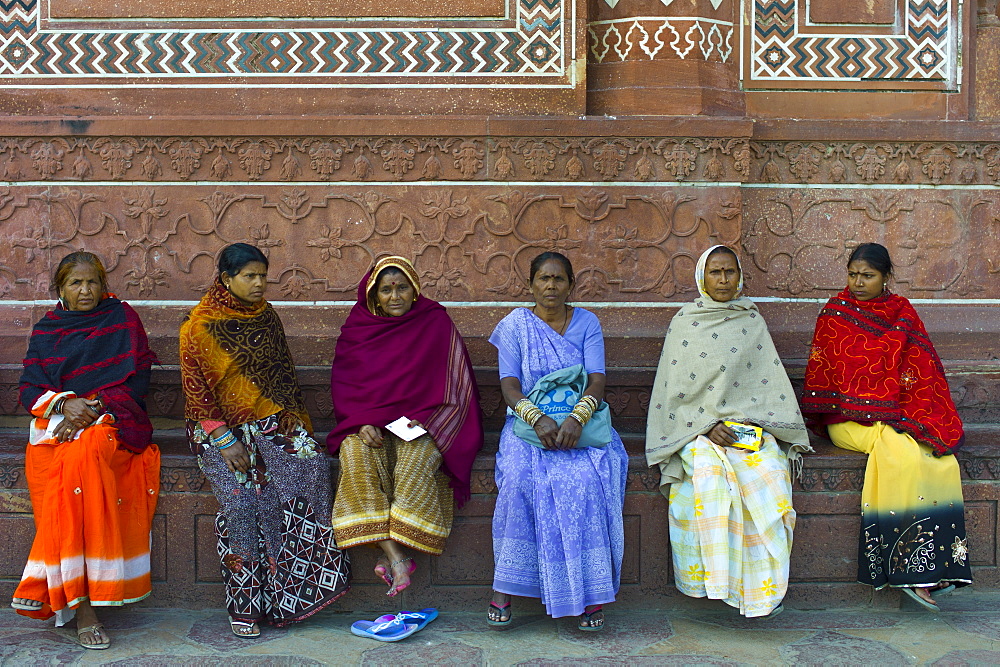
474, 242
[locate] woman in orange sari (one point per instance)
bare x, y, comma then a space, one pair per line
92, 471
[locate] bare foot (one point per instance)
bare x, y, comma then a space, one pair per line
382, 569
25, 603
499, 612
923, 594
401, 571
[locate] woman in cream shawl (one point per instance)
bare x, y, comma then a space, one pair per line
731, 516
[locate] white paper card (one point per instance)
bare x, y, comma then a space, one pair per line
401, 429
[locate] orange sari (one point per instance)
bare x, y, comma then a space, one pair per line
93, 504
94, 495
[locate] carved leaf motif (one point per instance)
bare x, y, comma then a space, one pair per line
81, 167
618, 400
290, 168
150, 167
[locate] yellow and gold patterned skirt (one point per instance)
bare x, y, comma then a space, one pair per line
396, 492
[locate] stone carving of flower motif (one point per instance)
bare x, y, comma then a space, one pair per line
362, 167
608, 159
838, 172
804, 164
992, 156
468, 158
443, 279
47, 159
397, 159
33, 242
901, 174
151, 167
115, 156
325, 159
741, 159
255, 158
959, 550
432, 168
504, 167
261, 237
185, 157
221, 167
290, 168
626, 243
870, 164
644, 168
680, 162
558, 238
329, 243
81, 167
592, 284
295, 286
937, 165
538, 159
713, 168
574, 167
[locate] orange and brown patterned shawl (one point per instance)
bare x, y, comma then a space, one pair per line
235, 363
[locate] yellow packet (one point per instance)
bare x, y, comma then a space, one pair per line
747, 437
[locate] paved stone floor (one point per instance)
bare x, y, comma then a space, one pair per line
967, 632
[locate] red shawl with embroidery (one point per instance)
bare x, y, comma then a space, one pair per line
873, 361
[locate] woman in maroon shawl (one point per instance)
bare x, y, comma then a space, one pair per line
399, 355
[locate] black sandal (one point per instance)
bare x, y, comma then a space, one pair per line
500, 609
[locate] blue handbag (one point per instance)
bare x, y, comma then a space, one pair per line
556, 395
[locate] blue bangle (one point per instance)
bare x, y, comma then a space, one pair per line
224, 441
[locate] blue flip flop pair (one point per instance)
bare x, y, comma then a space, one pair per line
394, 627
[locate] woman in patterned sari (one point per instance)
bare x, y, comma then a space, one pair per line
558, 530
249, 429
730, 515
399, 354
875, 384
92, 471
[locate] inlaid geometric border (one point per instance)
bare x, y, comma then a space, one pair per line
780, 51
658, 38
536, 47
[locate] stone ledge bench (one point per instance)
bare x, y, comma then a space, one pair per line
186, 567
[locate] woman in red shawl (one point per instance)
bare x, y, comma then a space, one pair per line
399, 355
876, 385
92, 471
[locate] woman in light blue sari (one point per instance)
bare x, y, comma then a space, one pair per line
557, 528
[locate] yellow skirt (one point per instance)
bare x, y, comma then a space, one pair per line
912, 513
394, 492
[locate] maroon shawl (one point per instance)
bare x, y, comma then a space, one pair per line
414, 365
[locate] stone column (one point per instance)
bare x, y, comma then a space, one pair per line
663, 57
987, 73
